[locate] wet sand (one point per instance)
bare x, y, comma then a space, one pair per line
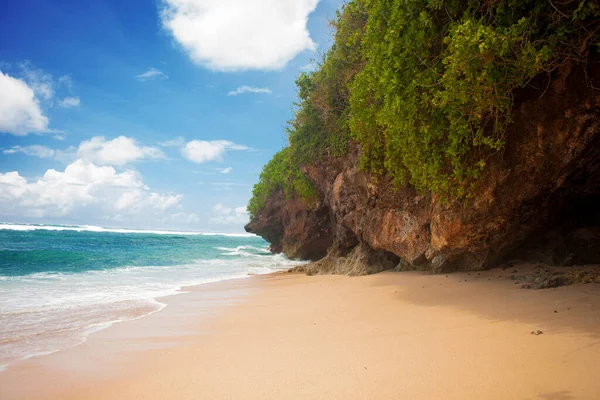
387, 336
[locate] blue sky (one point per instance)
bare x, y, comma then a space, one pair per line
145, 114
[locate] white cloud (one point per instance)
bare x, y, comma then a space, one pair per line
228, 216
20, 111
33, 150
249, 89
200, 151
41, 82
59, 137
177, 142
119, 151
151, 74
70, 102
225, 170
240, 34
82, 189
25, 96
65, 81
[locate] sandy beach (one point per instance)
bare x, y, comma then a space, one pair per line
387, 336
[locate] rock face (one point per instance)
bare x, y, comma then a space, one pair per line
294, 228
539, 198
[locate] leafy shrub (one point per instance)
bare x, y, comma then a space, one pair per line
319, 127
425, 87
434, 98
281, 174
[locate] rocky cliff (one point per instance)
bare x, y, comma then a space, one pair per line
294, 228
539, 199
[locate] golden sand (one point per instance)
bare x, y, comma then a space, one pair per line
386, 336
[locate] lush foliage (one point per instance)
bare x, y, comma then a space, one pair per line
281, 174
434, 98
426, 87
320, 124
319, 127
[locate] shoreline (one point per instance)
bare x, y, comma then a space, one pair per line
161, 303
286, 335
58, 287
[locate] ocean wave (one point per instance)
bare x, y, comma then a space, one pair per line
245, 251
244, 247
58, 289
92, 228
43, 312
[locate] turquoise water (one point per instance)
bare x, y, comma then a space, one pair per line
60, 283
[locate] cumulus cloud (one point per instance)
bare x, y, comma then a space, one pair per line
228, 216
200, 151
35, 150
20, 111
249, 89
225, 170
240, 34
151, 74
26, 94
119, 151
70, 102
83, 187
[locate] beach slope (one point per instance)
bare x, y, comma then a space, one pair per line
386, 336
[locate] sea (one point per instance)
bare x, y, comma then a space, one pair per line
59, 284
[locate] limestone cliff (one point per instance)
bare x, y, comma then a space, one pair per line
538, 200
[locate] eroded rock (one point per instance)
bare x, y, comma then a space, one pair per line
548, 171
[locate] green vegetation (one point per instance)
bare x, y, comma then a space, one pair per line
320, 126
281, 174
434, 98
425, 87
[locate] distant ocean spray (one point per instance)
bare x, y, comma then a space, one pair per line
60, 283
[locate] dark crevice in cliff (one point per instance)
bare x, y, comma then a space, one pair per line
571, 238
568, 219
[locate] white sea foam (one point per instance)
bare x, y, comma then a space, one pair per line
92, 228
45, 312
246, 251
